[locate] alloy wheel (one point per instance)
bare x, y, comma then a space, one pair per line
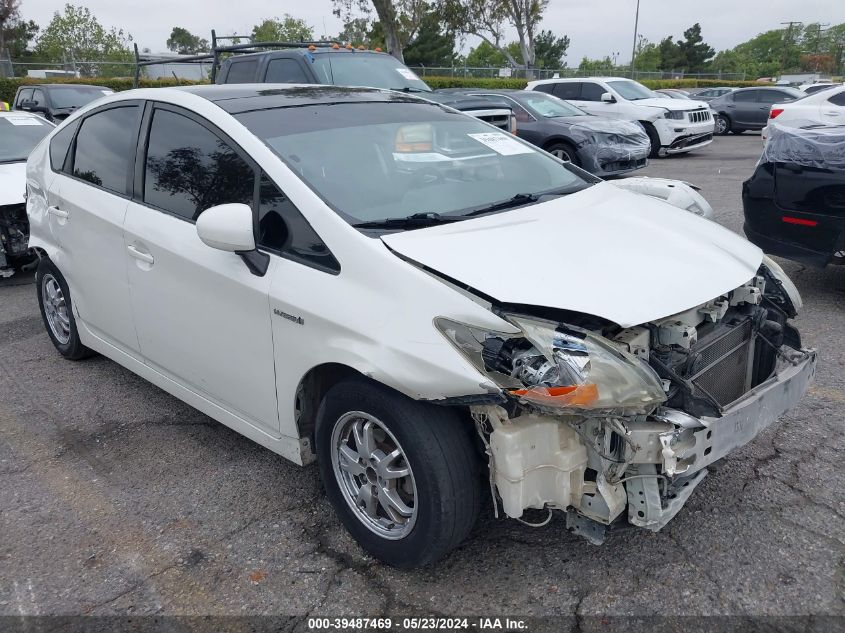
374, 475
55, 308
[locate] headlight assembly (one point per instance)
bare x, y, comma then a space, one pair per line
558, 366
675, 114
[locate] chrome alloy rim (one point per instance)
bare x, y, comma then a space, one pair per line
374, 475
55, 308
721, 124
562, 154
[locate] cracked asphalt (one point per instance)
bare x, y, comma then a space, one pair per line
117, 499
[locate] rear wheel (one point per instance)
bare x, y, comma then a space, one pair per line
57, 311
564, 151
723, 125
402, 475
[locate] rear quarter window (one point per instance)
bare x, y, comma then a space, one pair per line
60, 144
242, 72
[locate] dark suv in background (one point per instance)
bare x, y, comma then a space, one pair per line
55, 102
748, 108
333, 64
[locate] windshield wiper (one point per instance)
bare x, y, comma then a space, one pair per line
408, 89
415, 220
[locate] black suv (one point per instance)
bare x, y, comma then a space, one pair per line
56, 101
333, 64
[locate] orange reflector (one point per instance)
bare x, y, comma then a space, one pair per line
349, 46
378, 49
413, 138
312, 48
335, 46
570, 395
361, 47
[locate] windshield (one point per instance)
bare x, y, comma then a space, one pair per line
19, 134
377, 160
366, 69
76, 97
549, 106
631, 90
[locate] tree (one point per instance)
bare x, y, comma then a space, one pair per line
184, 42
487, 19
76, 36
399, 20
18, 36
671, 57
8, 15
648, 55
431, 47
595, 66
356, 31
550, 50
693, 51
286, 29
486, 55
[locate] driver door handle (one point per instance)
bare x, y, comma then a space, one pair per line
57, 212
141, 255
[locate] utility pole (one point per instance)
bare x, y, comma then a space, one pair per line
634, 47
819, 28
787, 40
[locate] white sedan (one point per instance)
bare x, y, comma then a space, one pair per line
431, 308
826, 107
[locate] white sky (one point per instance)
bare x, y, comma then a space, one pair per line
596, 27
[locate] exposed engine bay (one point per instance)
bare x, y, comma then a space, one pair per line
600, 419
14, 237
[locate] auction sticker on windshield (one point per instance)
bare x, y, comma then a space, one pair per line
501, 143
23, 120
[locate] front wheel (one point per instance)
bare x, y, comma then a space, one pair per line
654, 139
723, 125
402, 475
564, 151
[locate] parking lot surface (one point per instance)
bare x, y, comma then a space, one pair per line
118, 499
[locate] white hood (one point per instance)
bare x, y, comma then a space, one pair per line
671, 104
12, 183
606, 252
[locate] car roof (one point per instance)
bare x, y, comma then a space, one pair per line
19, 113
543, 81
235, 98
319, 50
61, 86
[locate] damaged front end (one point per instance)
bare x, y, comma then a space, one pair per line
610, 424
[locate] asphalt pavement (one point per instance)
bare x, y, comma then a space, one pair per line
118, 499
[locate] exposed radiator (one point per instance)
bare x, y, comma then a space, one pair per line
720, 364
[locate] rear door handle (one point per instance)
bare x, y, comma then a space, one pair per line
140, 255
57, 212
831, 113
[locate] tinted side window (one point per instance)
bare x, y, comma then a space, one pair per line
745, 96
285, 71
773, 96
591, 91
38, 97
549, 88
242, 72
24, 95
838, 99
189, 168
59, 146
105, 147
567, 90
282, 228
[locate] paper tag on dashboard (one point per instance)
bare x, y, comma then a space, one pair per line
407, 73
23, 120
501, 143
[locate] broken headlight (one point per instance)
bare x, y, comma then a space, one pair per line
558, 366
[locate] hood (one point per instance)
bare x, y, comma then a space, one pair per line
12, 183
671, 104
602, 251
601, 125
466, 102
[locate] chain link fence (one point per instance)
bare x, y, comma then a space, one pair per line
100, 69
549, 73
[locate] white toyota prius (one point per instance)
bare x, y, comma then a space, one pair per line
435, 310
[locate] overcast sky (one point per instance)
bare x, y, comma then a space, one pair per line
596, 27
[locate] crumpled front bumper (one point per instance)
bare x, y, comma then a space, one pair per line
695, 443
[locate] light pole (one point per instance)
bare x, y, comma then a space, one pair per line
634, 47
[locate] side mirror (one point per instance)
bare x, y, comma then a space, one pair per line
606, 97
228, 227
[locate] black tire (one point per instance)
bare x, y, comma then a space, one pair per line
654, 138
722, 125
735, 131
72, 349
564, 151
439, 450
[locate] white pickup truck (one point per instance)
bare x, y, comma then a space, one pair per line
673, 125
